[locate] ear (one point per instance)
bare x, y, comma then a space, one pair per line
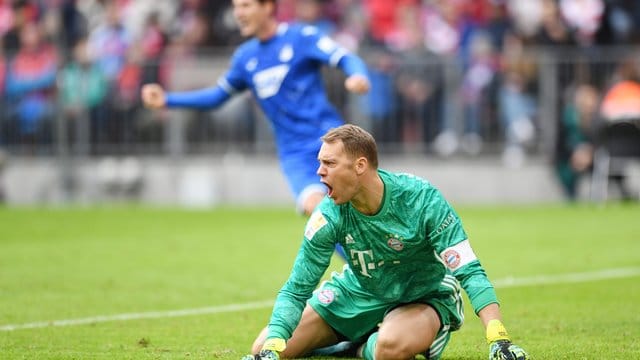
361, 165
271, 7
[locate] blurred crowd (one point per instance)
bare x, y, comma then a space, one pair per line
450, 75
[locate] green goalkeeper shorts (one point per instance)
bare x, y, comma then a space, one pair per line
354, 313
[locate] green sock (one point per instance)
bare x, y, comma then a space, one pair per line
369, 350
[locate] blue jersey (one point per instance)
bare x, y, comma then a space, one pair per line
284, 75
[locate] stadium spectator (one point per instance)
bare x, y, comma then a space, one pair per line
3, 77
152, 43
382, 18
525, 16
477, 85
74, 24
311, 12
191, 29
3, 164
22, 12
30, 87
6, 17
419, 84
137, 14
351, 26
619, 23
83, 90
517, 105
553, 30
583, 17
622, 99
108, 45
399, 295
109, 42
125, 101
621, 104
379, 104
574, 150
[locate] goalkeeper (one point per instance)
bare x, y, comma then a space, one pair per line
399, 294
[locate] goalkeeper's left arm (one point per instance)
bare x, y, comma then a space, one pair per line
473, 279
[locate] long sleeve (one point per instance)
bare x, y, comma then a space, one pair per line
351, 64
476, 284
208, 98
310, 265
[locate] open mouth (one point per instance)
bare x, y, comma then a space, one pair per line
329, 189
242, 23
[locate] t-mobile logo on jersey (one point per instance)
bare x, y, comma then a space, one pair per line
358, 258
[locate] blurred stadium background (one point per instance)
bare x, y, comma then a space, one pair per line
472, 95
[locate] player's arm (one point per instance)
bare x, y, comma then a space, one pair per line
329, 52
451, 243
357, 80
208, 98
155, 97
310, 265
462, 261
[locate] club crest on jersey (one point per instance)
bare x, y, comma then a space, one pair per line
451, 258
251, 64
326, 44
395, 242
325, 296
286, 53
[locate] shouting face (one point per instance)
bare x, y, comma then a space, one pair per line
339, 172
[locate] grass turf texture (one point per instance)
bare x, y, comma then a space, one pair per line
60, 264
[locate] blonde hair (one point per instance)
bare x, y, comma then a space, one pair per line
357, 142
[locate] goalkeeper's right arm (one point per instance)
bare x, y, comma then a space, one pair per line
270, 350
500, 345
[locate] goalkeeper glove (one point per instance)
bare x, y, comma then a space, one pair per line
505, 350
270, 350
263, 355
501, 347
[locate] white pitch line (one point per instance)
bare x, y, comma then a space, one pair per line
144, 315
499, 283
567, 278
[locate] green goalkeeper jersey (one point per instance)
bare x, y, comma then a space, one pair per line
400, 254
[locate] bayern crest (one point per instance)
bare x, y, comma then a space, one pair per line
452, 258
325, 296
395, 242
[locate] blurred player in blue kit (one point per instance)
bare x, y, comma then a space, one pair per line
399, 295
281, 65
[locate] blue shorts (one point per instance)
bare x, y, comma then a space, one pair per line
300, 170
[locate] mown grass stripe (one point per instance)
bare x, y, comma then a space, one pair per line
499, 283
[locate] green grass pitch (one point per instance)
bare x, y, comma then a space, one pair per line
144, 283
